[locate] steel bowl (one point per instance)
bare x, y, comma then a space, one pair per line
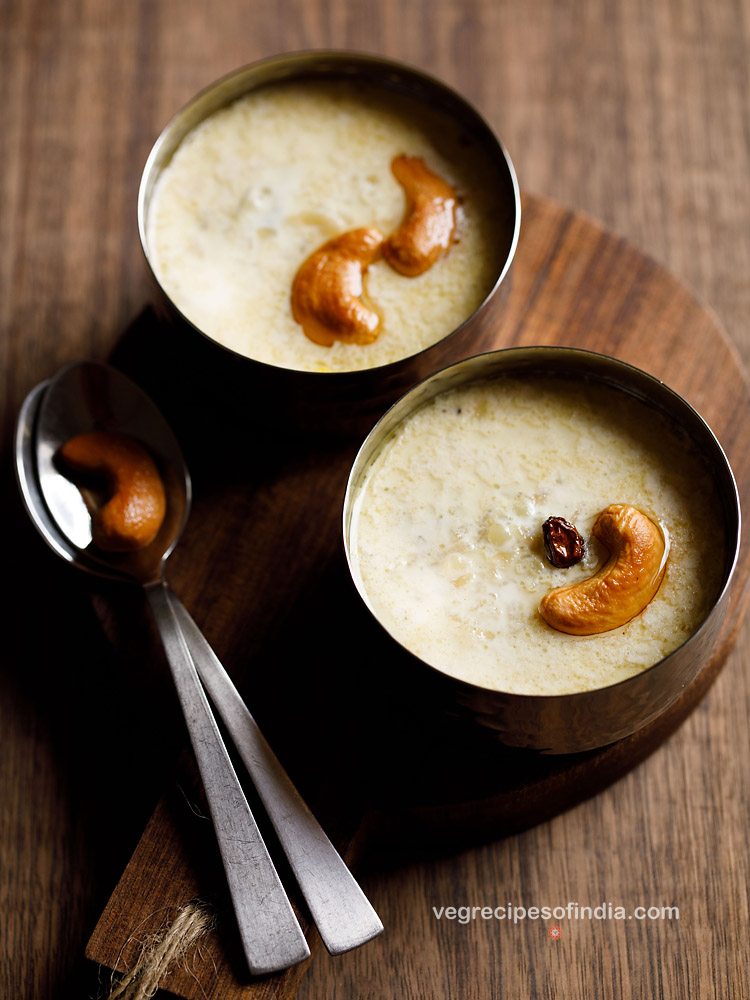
584, 720
340, 401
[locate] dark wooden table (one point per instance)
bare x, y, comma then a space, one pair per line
636, 112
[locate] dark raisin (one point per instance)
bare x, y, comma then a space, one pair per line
562, 542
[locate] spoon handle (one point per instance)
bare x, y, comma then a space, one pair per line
341, 911
271, 936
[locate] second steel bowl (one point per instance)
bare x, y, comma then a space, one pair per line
584, 720
339, 401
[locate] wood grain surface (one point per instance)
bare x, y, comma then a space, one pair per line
635, 112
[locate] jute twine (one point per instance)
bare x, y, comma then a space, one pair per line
161, 950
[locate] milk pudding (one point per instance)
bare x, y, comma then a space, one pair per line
446, 530
260, 185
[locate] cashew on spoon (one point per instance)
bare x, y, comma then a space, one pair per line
327, 290
135, 504
623, 587
427, 230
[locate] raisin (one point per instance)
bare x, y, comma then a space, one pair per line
562, 542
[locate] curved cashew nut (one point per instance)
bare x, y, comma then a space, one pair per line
427, 230
327, 290
623, 587
130, 519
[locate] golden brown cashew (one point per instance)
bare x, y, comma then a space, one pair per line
134, 511
623, 587
327, 290
427, 230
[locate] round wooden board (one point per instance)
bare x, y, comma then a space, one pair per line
261, 565
261, 568
577, 285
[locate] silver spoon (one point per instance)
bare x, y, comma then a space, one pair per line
340, 909
88, 396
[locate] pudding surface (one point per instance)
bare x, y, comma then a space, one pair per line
446, 531
258, 186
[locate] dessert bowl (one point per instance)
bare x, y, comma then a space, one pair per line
426, 519
229, 208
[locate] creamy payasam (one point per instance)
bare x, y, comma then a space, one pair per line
447, 539
259, 187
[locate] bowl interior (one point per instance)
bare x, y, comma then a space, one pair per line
565, 363
373, 70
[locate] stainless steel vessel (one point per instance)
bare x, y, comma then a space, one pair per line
588, 719
346, 402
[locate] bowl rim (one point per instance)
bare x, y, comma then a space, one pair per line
356, 474
305, 59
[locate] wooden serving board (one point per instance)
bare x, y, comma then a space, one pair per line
261, 569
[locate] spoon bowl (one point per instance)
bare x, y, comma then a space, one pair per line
92, 397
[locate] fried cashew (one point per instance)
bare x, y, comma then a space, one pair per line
623, 587
328, 287
427, 230
134, 510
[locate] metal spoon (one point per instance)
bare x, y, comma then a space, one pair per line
77, 400
341, 911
